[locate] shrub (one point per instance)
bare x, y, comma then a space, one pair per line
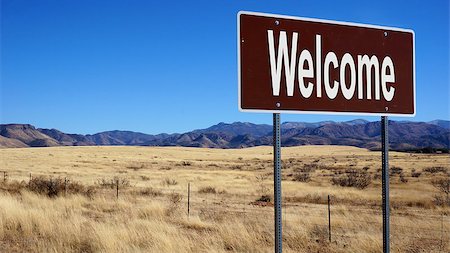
222, 192
395, 171
435, 169
113, 182
145, 178
13, 187
319, 233
403, 179
236, 167
416, 174
264, 198
136, 167
53, 187
440, 200
261, 179
185, 163
90, 191
302, 177
175, 198
169, 181
207, 189
352, 178
308, 168
149, 191
443, 186
174, 207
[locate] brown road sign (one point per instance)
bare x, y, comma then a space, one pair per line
299, 65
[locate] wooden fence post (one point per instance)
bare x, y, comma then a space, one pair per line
117, 188
189, 199
65, 186
329, 219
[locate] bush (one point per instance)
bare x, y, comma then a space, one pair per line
302, 177
90, 191
149, 191
440, 200
264, 198
352, 178
175, 201
112, 183
145, 178
403, 179
185, 163
319, 233
53, 187
207, 189
236, 167
175, 198
395, 171
443, 186
169, 181
13, 187
436, 169
416, 174
308, 168
136, 167
261, 180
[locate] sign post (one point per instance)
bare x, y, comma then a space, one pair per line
385, 181
277, 181
302, 65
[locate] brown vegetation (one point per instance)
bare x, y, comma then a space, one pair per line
352, 178
150, 215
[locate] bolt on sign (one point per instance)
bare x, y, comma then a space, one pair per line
290, 64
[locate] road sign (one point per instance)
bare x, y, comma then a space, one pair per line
298, 65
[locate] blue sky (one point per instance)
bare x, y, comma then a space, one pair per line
171, 66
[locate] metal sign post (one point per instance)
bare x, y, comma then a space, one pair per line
385, 181
277, 181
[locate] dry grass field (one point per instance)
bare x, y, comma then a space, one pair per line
230, 200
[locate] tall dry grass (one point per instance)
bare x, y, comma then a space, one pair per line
151, 213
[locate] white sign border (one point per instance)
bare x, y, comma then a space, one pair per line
326, 22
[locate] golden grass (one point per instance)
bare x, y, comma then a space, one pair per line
151, 213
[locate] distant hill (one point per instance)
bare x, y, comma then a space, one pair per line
67, 139
11, 143
238, 128
123, 138
442, 123
28, 135
403, 135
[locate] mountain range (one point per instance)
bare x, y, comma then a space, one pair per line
403, 135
